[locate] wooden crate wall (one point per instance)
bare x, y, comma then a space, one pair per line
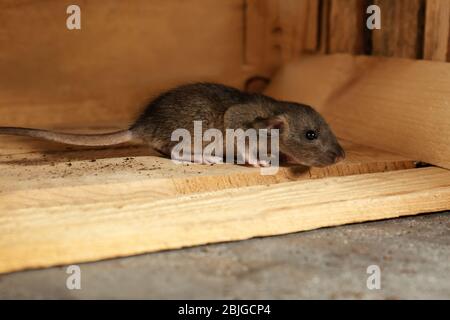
415, 29
128, 52
61, 205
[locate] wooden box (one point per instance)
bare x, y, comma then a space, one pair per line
385, 92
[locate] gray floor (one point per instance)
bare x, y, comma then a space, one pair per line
412, 253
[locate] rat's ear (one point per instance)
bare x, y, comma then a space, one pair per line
275, 122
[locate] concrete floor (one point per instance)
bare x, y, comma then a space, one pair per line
413, 254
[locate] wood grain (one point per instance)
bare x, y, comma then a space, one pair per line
260, 39
70, 193
40, 237
298, 26
324, 25
40, 175
312, 15
398, 105
401, 33
277, 31
62, 204
124, 54
347, 27
437, 27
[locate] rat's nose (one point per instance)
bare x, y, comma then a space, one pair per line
337, 154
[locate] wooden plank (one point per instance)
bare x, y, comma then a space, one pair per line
29, 179
324, 25
312, 26
297, 24
401, 32
448, 47
106, 72
260, 50
437, 26
41, 237
397, 105
124, 54
347, 27
278, 31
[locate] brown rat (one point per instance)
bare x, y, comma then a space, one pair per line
305, 137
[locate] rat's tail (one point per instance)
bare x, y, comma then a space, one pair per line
104, 139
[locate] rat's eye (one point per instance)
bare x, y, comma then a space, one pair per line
311, 135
